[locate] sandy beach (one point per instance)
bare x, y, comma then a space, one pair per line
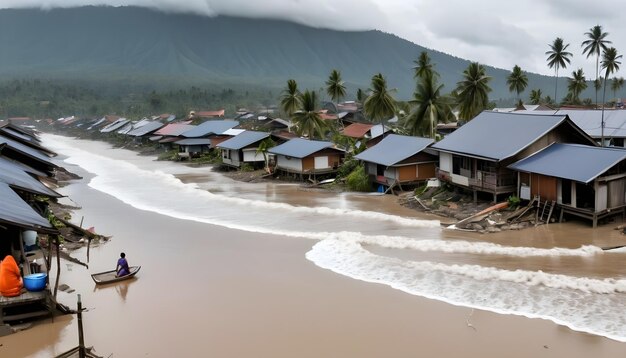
210, 291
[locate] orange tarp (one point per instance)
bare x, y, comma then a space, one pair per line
10, 279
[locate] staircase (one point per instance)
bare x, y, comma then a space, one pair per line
544, 211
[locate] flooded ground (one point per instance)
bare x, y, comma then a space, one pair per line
236, 269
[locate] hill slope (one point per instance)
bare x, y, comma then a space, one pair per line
106, 43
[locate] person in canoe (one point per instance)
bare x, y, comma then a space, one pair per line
11, 282
122, 266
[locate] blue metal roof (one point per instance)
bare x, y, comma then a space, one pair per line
14, 210
243, 139
300, 148
394, 149
194, 141
576, 162
210, 127
26, 150
497, 136
15, 176
115, 125
145, 129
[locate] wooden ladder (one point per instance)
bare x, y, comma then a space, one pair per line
546, 211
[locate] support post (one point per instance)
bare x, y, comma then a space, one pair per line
81, 338
56, 283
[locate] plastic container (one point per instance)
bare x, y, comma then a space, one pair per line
29, 237
35, 282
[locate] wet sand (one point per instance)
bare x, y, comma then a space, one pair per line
207, 291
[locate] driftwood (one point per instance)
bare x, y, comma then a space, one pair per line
483, 213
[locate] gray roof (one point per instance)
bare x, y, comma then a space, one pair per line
210, 127
194, 141
565, 161
15, 211
243, 139
497, 136
26, 139
394, 149
115, 125
590, 121
300, 148
26, 150
13, 174
145, 129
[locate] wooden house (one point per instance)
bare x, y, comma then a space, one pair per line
243, 148
370, 133
399, 160
584, 181
302, 156
205, 136
476, 156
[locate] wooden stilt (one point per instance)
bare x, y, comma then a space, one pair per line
81, 338
56, 283
25, 265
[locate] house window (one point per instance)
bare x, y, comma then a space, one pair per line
226, 154
463, 166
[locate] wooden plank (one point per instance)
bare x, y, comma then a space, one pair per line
21, 316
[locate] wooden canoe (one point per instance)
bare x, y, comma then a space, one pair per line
110, 276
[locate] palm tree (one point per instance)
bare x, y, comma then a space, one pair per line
290, 100
517, 80
360, 96
265, 145
535, 96
380, 104
557, 58
610, 63
472, 91
429, 107
594, 45
335, 87
424, 66
616, 85
577, 84
307, 120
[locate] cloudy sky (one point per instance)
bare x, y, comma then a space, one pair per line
496, 32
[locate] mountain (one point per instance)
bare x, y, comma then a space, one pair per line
124, 45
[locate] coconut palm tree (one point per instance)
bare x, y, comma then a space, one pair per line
576, 85
290, 100
380, 104
335, 87
360, 96
429, 107
617, 85
473, 91
265, 145
610, 63
535, 96
558, 58
594, 45
517, 80
424, 66
307, 120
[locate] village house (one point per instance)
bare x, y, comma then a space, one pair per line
583, 181
399, 160
243, 148
145, 131
477, 155
206, 136
171, 133
370, 133
307, 157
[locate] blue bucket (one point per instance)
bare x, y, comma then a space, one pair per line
35, 282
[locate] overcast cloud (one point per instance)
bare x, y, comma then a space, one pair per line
495, 32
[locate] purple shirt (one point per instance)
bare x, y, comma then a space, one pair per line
123, 267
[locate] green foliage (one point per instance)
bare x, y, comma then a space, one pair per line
380, 104
430, 107
246, 167
169, 155
358, 180
513, 201
473, 91
347, 167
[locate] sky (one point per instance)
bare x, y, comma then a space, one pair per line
499, 33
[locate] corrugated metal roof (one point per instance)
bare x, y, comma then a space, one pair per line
394, 149
15, 211
114, 126
25, 139
498, 136
378, 129
243, 139
233, 131
194, 141
300, 148
566, 161
174, 129
145, 129
590, 121
210, 127
357, 130
26, 150
15, 176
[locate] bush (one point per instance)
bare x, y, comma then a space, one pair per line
347, 167
514, 201
247, 167
358, 180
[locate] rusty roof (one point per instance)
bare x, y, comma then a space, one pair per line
357, 130
174, 129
